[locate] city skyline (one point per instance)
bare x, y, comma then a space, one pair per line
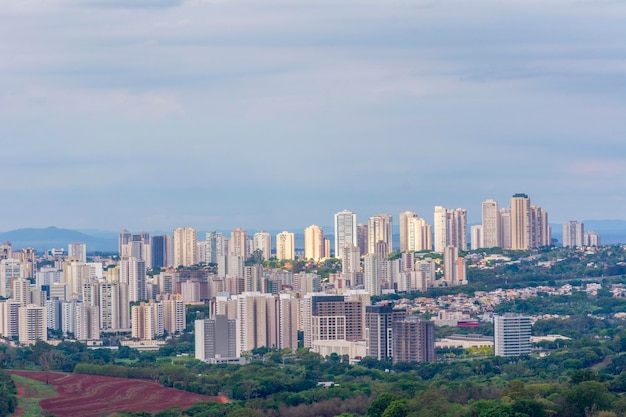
156, 114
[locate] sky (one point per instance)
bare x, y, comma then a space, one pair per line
272, 114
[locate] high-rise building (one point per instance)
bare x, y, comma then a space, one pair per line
372, 274
476, 237
215, 247
285, 246
147, 320
77, 251
540, 230
520, 222
32, 324
379, 329
404, 229
133, 273
505, 228
592, 238
238, 243
174, 315
345, 231
450, 227
185, 246
454, 269
161, 248
418, 235
216, 338
21, 291
10, 269
262, 241
314, 243
413, 340
124, 239
512, 335
490, 224
573, 234
379, 229
333, 317
361, 238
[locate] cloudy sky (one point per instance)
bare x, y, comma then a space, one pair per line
154, 114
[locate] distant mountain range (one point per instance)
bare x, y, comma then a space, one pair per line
611, 231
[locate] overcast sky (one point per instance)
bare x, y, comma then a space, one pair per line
155, 114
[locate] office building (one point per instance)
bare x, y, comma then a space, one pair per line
345, 231
512, 335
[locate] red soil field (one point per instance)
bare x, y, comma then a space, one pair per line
92, 395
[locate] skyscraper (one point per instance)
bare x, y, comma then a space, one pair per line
285, 246
345, 231
379, 229
314, 243
505, 228
419, 235
404, 229
77, 251
450, 226
263, 241
238, 243
490, 224
520, 222
573, 234
214, 247
123, 240
185, 246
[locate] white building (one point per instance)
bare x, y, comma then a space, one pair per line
512, 335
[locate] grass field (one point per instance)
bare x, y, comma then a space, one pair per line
30, 392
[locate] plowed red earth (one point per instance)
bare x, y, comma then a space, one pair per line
93, 395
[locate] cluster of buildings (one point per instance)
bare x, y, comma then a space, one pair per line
250, 306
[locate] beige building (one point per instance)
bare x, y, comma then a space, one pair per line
520, 222
185, 246
285, 246
419, 235
263, 241
238, 243
379, 229
32, 324
314, 243
147, 320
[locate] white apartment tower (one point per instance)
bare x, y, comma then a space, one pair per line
345, 231
573, 234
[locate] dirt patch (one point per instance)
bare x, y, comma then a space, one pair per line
91, 395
